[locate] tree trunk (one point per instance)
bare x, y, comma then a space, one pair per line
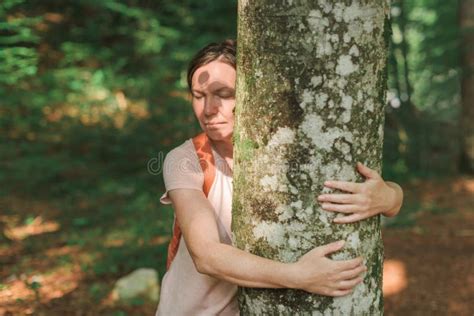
310, 103
3, 237
407, 112
466, 16
412, 146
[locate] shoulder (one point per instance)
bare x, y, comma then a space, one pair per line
183, 152
181, 168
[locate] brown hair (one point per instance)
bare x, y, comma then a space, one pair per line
224, 51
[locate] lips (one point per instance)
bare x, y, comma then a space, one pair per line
214, 124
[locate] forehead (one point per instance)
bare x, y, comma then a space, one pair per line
215, 74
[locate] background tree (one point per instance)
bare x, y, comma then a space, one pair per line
424, 93
314, 74
407, 119
466, 21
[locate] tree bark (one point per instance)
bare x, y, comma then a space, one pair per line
466, 17
311, 91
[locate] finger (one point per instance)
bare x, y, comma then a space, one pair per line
347, 285
340, 292
349, 218
337, 198
342, 208
350, 264
367, 172
344, 186
332, 247
353, 273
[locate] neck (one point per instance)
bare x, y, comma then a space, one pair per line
224, 147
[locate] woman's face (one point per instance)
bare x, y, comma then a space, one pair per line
213, 99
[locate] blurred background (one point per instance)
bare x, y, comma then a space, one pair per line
93, 95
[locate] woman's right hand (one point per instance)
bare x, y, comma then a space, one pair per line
316, 273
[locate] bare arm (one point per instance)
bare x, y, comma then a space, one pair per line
314, 272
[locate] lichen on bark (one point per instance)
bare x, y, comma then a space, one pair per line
310, 99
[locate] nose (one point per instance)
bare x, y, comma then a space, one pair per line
211, 105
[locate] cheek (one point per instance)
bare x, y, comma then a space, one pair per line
229, 106
198, 108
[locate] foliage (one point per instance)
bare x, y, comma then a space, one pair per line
85, 103
422, 130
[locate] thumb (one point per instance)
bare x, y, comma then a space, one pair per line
332, 247
367, 172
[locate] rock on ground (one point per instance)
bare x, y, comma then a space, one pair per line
141, 283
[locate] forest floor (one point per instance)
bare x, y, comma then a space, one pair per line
429, 259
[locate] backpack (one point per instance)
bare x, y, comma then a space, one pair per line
202, 146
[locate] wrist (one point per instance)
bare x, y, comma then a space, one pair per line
395, 199
290, 276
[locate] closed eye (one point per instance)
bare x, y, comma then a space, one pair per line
225, 93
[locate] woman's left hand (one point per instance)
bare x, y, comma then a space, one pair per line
362, 200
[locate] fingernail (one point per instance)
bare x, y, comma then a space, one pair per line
341, 242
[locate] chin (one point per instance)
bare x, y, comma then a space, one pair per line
218, 135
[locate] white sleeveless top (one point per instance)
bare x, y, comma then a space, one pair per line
185, 291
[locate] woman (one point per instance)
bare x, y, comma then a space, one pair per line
205, 273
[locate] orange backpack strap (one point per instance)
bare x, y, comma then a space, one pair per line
202, 145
